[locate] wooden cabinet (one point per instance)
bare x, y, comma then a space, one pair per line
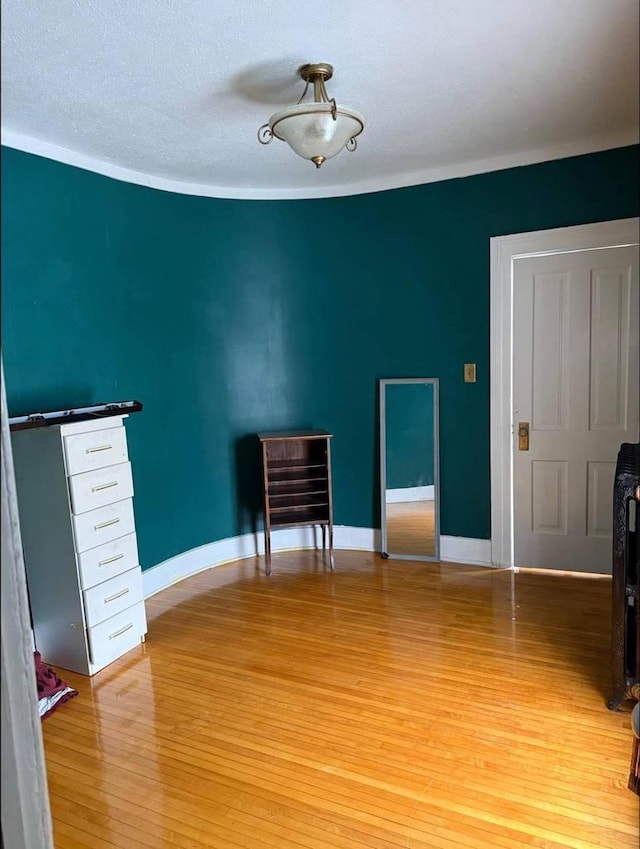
297, 484
75, 497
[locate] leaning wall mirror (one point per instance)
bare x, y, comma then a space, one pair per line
409, 469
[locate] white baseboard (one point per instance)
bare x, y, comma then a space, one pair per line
476, 552
410, 493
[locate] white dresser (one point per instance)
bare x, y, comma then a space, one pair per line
75, 496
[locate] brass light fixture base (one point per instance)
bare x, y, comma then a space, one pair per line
320, 70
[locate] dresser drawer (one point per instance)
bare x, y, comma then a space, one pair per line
94, 489
95, 449
112, 596
106, 561
102, 525
115, 636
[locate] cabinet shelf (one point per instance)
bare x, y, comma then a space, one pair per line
299, 505
277, 482
292, 465
300, 518
278, 479
299, 489
297, 483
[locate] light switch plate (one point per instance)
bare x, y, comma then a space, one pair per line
469, 372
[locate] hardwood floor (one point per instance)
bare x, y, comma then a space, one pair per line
386, 705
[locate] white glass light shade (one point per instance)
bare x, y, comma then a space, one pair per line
311, 131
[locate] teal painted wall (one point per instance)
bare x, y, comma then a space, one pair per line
409, 448
229, 317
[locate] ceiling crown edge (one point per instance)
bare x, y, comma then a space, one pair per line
39, 147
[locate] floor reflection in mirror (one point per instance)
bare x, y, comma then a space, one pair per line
411, 527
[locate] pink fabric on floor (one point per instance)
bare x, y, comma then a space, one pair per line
50, 686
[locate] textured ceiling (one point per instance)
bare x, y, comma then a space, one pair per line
172, 93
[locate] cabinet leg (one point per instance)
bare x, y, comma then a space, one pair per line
331, 563
267, 552
324, 539
616, 701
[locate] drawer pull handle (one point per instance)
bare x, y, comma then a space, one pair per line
105, 524
117, 595
121, 631
110, 560
99, 448
104, 486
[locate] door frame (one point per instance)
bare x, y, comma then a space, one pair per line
504, 251
26, 816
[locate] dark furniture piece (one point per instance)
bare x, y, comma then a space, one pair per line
626, 577
297, 484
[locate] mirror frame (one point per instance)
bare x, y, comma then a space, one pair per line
383, 383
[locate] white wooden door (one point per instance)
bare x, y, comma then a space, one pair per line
575, 382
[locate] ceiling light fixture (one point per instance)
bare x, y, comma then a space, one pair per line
315, 130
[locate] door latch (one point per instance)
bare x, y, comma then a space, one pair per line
523, 436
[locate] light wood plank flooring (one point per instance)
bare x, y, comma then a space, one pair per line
387, 705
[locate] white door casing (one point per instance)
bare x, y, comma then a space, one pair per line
575, 383
26, 817
506, 254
